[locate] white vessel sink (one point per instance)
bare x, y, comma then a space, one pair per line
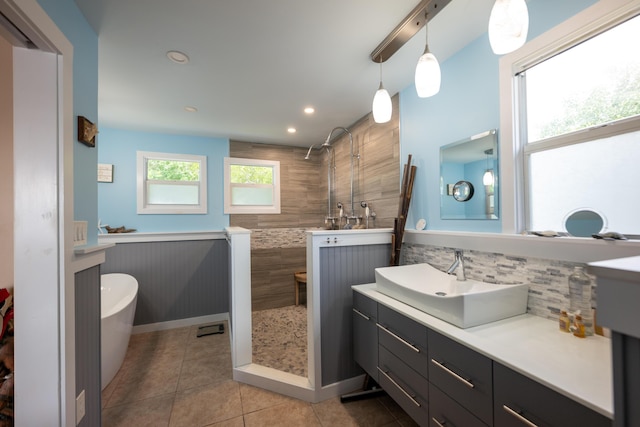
462, 303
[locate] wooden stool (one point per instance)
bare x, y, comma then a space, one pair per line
299, 277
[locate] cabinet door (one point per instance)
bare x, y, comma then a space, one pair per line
520, 401
463, 374
365, 334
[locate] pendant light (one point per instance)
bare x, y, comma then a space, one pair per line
487, 178
381, 107
428, 75
508, 25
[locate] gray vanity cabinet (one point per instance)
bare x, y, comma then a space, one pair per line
365, 334
441, 382
519, 401
463, 374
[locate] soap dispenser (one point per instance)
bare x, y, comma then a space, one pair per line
563, 322
580, 297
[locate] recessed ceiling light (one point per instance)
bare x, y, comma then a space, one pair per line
178, 57
291, 130
190, 109
309, 110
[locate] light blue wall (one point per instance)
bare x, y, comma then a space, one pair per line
117, 200
468, 103
77, 30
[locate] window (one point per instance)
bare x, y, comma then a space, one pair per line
170, 183
251, 186
578, 116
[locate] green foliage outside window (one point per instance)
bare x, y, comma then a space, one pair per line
172, 170
243, 174
605, 104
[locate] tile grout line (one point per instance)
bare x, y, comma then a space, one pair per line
175, 393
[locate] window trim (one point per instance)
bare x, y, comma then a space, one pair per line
175, 209
593, 20
251, 209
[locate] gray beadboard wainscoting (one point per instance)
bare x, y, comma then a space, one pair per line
340, 268
176, 279
87, 312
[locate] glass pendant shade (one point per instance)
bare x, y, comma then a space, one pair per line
381, 105
428, 75
508, 25
487, 178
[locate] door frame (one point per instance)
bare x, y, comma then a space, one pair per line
42, 267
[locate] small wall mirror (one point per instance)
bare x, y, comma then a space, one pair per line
584, 222
463, 191
469, 178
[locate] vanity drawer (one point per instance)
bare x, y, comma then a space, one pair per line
446, 412
409, 389
403, 337
520, 401
365, 305
463, 374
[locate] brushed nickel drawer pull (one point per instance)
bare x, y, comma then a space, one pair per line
450, 372
361, 314
415, 402
518, 416
408, 344
438, 423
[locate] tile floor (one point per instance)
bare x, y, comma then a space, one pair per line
173, 378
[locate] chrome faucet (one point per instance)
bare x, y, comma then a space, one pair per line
458, 266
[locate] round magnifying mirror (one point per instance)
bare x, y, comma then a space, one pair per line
463, 191
584, 222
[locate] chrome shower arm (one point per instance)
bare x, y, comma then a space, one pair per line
309, 152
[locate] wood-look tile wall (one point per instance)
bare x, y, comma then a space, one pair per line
304, 196
376, 171
301, 201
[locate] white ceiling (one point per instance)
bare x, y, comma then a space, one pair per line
255, 64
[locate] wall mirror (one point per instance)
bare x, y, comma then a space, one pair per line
469, 178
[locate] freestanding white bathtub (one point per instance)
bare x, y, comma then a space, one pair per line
118, 293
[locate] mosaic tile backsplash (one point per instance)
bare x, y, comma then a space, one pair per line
548, 280
268, 238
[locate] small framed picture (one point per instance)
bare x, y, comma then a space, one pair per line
87, 132
105, 173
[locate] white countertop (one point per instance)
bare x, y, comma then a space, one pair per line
579, 368
627, 269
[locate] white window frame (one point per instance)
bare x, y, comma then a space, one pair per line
593, 20
229, 208
144, 208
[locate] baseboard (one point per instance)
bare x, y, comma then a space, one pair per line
293, 385
180, 323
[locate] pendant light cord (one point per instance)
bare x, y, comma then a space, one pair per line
426, 33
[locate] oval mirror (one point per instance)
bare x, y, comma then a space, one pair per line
463, 191
584, 223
